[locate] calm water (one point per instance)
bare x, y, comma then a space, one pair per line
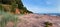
52, 14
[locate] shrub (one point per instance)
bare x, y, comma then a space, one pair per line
47, 24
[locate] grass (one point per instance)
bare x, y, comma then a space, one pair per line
6, 18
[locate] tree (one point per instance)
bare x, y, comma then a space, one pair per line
20, 4
13, 3
6, 2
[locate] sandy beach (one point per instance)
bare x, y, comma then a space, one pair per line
35, 20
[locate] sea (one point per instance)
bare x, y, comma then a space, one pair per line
52, 14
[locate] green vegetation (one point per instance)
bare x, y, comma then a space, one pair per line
15, 4
6, 18
47, 24
10, 6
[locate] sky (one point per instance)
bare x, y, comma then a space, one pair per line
42, 6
